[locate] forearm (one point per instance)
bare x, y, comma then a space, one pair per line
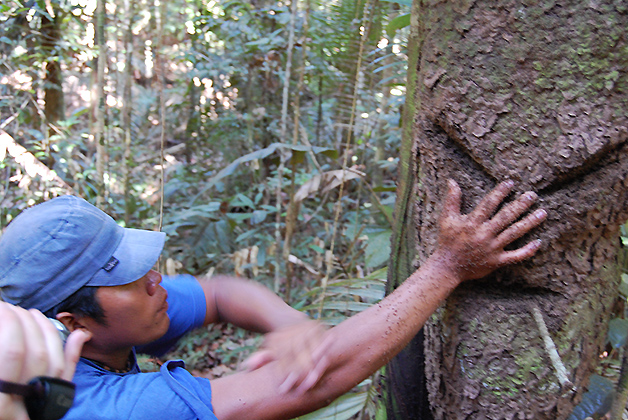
366, 342
358, 347
247, 304
470, 247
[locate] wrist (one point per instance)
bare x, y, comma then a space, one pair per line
12, 407
447, 266
289, 319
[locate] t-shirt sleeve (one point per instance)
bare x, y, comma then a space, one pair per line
186, 309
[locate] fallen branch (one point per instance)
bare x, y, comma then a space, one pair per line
26, 160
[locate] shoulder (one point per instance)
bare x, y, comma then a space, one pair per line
171, 393
186, 300
182, 282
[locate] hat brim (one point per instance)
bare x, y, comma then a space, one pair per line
136, 254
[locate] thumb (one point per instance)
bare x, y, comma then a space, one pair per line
73, 348
452, 200
257, 360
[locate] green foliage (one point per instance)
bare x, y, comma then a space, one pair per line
294, 154
338, 301
350, 405
618, 332
224, 67
378, 248
341, 299
397, 23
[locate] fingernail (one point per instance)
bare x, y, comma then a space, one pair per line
540, 214
530, 196
509, 183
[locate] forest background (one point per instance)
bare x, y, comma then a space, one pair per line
262, 136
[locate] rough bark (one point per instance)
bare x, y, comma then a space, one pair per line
54, 105
99, 104
406, 392
127, 111
534, 91
53, 91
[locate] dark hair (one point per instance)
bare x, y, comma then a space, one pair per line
83, 302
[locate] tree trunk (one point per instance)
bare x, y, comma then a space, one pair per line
99, 101
129, 200
536, 92
54, 107
406, 393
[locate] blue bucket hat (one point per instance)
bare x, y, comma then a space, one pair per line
53, 249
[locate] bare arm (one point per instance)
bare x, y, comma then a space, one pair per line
247, 304
470, 246
291, 339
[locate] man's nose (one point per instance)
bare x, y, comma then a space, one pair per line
154, 279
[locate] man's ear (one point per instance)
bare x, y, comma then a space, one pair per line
71, 321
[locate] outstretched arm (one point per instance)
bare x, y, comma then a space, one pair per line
470, 246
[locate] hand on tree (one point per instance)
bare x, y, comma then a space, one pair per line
300, 350
473, 244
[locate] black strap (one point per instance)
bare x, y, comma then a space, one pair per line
7, 387
45, 398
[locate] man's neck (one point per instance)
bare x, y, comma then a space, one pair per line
116, 361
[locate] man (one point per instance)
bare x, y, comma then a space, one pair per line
31, 347
61, 254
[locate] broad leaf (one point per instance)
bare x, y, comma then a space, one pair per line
397, 23
597, 401
378, 249
326, 182
343, 408
618, 332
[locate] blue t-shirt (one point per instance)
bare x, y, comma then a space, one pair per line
171, 393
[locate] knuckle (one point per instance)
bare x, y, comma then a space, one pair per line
39, 357
56, 370
13, 355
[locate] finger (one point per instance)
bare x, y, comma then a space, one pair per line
288, 383
298, 365
513, 211
36, 354
518, 255
520, 228
452, 200
485, 209
314, 376
36, 361
13, 347
52, 344
321, 365
322, 348
258, 359
73, 348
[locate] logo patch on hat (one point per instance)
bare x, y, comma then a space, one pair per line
111, 264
